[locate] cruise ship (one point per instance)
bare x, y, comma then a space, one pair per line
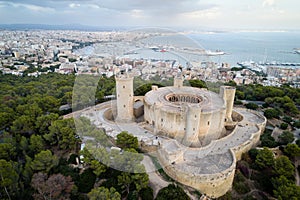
214, 53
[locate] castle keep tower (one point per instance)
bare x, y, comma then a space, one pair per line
178, 81
228, 93
124, 92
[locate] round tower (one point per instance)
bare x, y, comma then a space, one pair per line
124, 92
178, 81
192, 126
228, 93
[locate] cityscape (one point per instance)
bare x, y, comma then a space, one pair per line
65, 52
137, 100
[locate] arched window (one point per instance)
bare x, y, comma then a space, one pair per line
188, 99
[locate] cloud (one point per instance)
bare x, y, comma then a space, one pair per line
84, 6
31, 7
165, 8
95, 6
207, 14
36, 8
157, 6
136, 13
268, 3
214, 13
74, 5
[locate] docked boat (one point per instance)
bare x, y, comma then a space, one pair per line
214, 53
297, 50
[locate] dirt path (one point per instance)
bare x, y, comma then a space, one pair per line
156, 181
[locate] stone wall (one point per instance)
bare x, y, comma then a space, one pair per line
211, 126
236, 116
217, 184
246, 146
175, 124
213, 185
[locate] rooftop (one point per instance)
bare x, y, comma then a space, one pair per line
173, 98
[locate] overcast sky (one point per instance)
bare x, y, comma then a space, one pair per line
237, 14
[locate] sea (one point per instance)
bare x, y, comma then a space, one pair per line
239, 46
265, 47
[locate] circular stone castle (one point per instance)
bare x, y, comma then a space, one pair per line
192, 116
197, 135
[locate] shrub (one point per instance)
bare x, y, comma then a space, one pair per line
72, 159
238, 177
253, 153
133, 195
263, 180
251, 106
143, 89
127, 140
267, 140
284, 126
298, 142
172, 192
86, 181
249, 197
147, 193
241, 188
239, 184
272, 113
227, 196
292, 150
244, 168
265, 105
197, 83
264, 158
296, 124
287, 119
285, 138
238, 102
